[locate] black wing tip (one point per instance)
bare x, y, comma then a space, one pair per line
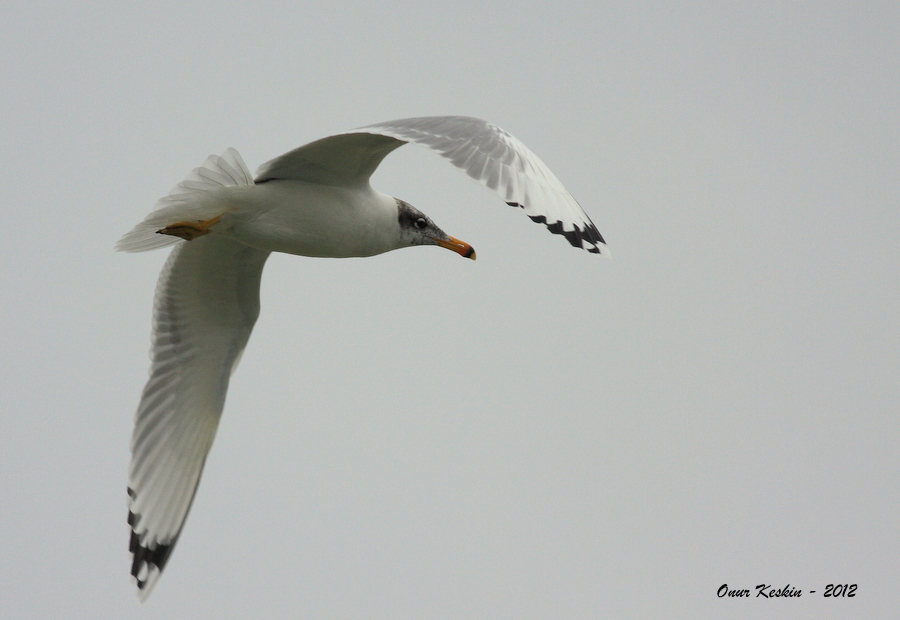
576, 237
145, 560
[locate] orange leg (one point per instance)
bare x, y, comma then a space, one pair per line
188, 230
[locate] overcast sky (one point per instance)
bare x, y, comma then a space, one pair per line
538, 434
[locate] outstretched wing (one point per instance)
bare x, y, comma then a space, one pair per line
485, 152
206, 303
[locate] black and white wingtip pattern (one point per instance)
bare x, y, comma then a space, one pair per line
587, 238
147, 563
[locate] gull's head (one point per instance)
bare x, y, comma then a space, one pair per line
416, 228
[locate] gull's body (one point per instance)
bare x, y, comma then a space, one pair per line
313, 201
324, 221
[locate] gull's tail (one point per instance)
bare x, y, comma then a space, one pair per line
197, 198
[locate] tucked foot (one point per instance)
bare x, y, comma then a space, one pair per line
188, 230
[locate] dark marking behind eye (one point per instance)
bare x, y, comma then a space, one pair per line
409, 216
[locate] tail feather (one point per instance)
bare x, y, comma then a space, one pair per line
190, 200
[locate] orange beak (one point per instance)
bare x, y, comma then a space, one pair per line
460, 247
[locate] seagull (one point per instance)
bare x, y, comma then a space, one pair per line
313, 201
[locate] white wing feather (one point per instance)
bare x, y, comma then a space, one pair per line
207, 301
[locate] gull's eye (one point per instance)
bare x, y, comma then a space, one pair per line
421, 223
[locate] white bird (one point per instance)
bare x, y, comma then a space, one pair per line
313, 201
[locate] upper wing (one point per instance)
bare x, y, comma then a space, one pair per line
206, 303
485, 152
346, 160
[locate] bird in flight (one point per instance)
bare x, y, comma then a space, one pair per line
313, 201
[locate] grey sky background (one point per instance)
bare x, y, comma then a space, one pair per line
538, 434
